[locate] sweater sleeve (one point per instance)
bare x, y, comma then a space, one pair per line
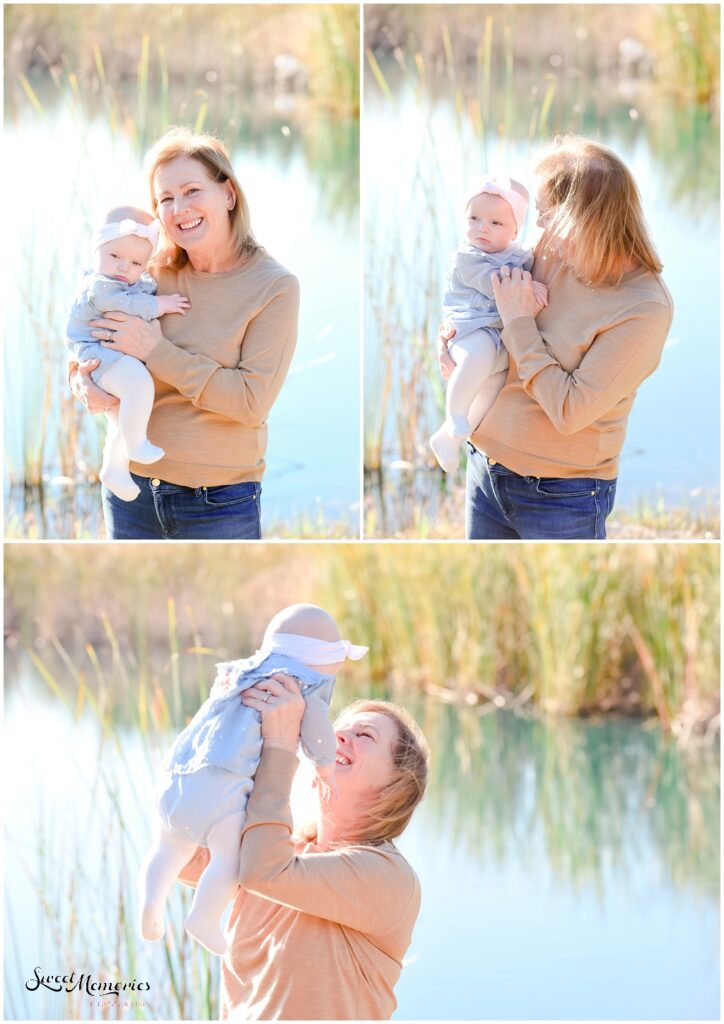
365, 888
618, 360
108, 296
245, 393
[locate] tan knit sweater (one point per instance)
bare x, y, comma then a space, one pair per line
573, 374
313, 935
218, 370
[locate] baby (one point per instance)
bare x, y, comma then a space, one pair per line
123, 247
495, 212
209, 771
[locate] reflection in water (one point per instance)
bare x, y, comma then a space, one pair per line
584, 808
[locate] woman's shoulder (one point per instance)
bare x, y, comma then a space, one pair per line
271, 270
645, 288
385, 860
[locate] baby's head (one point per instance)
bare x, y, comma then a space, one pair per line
307, 620
495, 212
124, 244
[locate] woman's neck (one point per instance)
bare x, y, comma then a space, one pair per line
332, 827
216, 260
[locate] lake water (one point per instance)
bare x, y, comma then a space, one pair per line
300, 173
417, 156
569, 870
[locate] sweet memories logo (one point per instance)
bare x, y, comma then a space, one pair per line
75, 982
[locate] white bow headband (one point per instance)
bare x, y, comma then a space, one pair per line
502, 187
311, 651
124, 228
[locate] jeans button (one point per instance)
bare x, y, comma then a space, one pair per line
155, 482
492, 462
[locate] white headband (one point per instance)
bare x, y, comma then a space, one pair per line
502, 187
311, 651
124, 228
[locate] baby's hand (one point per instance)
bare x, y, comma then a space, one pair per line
172, 304
541, 293
326, 781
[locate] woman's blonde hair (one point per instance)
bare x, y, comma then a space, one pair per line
388, 813
212, 153
595, 207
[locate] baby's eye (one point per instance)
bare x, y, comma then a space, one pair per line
136, 263
369, 737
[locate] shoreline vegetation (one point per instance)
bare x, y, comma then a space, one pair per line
490, 83
561, 630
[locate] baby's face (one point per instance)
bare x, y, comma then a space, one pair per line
491, 224
124, 259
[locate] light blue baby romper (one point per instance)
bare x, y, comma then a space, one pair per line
210, 768
96, 296
469, 301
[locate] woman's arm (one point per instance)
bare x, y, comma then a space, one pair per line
616, 363
365, 888
195, 867
247, 393
614, 366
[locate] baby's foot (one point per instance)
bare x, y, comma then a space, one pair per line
446, 449
145, 452
152, 923
206, 932
120, 484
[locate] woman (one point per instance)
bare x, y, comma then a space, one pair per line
320, 925
543, 462
218, 369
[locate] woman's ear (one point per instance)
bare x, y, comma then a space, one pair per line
231, 196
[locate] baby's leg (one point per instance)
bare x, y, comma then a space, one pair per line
475, 358
114, 469
162, 866
484, 399
129, 380
217, 884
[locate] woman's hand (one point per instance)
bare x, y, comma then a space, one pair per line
127, 334
514, 294
280, 703
445, 362
95, 399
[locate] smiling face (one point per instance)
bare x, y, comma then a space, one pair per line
491, 222
123, 259
365, 741
193, 208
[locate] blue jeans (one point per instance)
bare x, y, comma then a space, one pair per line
164, 511
500, 505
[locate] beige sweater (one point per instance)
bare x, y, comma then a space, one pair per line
313, 935
573, 374
218, 370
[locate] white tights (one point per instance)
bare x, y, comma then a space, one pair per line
472, 388
129, 380
168, 855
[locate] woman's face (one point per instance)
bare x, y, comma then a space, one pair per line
365, 740
193, 208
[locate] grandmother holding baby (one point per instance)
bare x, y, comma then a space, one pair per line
543, 462
216, 369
